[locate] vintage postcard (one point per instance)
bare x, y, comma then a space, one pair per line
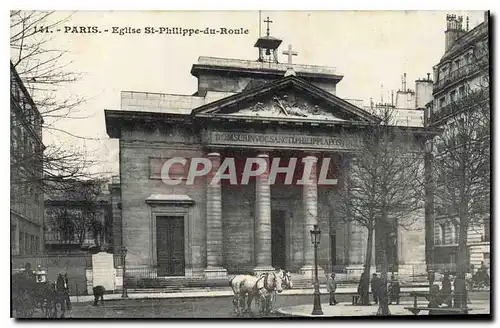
250, 164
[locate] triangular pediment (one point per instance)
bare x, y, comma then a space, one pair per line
288, 98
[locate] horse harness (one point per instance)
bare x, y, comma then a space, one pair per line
266, 286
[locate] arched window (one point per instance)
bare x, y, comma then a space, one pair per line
452, 232
441, 230
456, 229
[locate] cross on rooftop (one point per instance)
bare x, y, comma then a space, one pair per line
290, 53
268, 21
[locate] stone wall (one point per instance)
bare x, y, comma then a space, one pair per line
136, 150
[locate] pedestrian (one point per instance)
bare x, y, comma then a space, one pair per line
28, 272
375, 284
446, 290
331, 286
434, 299
394, 290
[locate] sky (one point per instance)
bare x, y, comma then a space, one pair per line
372, 49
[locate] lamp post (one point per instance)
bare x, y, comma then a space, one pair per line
124, 289
315, 239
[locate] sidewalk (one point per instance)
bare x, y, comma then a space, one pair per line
223, 292
348, 310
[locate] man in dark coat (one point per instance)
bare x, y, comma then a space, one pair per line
332, 287
446, 290
435, 299
375, 284
394, 290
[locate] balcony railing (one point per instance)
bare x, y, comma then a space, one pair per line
457, 74
471, 100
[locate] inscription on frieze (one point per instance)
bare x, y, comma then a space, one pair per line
283, 140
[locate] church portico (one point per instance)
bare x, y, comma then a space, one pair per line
264, 221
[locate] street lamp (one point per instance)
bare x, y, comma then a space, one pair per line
124, 255
315, 239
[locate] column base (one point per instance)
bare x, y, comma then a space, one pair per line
262, 269
307, 272
215, 273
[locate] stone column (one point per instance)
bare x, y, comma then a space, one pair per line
263, 220
15, 241
214, 241
310, 206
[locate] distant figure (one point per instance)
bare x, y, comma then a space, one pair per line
29, 272
482, 268
375, 284
446, 290
331, 286
434, 299
460, 287
98, 293
394, 289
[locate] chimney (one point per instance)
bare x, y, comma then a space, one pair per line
486, 16
454, 30
423, 92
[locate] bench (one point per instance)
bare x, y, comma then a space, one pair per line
356, 296
425, 295
438, 311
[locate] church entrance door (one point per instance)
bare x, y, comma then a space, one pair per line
278, 239
170, 245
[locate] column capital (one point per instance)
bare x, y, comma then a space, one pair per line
213, 154
310, 158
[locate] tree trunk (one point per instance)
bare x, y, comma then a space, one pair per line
383, 299
462, 263
364, 284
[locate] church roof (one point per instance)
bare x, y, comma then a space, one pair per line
345, 109
289, 101
240, 65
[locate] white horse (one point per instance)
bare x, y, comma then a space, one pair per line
264, 290
244, 288
287, 283
242, 285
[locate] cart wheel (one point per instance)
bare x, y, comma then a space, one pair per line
59, 310
50, 311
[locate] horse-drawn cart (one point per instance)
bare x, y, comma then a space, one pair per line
31, 291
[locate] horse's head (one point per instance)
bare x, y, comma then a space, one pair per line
278, 282
286, 277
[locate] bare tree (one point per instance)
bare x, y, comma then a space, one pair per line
381, 190
78, 211
463, 165
44, 71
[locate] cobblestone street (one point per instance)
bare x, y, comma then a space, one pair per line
221, 307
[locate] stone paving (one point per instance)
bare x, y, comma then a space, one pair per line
349, 310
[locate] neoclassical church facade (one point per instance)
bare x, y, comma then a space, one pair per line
243, 109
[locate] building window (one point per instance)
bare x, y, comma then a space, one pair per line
442, 102
486, 259
441, 234
468, 58
456, 230
486, 236
461, 92
21, 244
453, 96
